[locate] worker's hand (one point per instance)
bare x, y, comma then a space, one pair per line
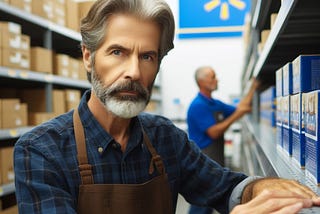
275, 195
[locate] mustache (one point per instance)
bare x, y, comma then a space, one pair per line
129, 86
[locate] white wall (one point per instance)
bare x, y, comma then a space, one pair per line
225, 55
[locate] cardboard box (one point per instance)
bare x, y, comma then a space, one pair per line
72, 98
264, 36
11, 113
298, 135
36, 118
59, 13
74, 68
286, 131
41, 60
306, 73
273, 18
10, 210
59, 104
35, 98
25, 42
72, 12
43, 8
10, 27
22, 4
312, 135
6, 164
61, 65
84, 7
10, 40
287, 79
15, 58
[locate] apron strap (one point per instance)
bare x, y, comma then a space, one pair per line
156, 159
84, 167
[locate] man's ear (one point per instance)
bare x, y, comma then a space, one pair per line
86, 56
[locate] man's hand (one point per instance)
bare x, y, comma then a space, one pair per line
276, 195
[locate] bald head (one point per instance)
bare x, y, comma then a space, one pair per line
202, 73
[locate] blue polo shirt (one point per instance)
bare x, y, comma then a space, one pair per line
201, 116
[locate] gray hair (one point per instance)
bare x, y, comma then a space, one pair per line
93, 26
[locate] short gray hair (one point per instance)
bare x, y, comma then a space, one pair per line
93, 26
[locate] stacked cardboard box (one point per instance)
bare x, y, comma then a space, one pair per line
15, 47
13, 114
6, 165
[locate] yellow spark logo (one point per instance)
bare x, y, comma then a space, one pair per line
224, 10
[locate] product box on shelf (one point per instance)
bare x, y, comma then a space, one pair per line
287, 79
6, 164
22, 4
36, 118
43, 8
297, 126
41, 60
279, 82
72, 98
10, 27
61, 65
312, 135
25, 42
14, 113
279, 135
71, 13
16, 58
306, 73
286, 131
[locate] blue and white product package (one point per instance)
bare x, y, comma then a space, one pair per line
286, 131
306, 73
312, 135
279, 122
279, 83
296, 123
287, 79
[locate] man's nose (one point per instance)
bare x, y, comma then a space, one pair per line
133, 68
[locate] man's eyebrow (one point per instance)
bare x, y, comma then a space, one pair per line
116, 46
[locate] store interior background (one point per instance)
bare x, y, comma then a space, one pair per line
178, 86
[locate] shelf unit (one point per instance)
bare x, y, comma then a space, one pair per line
296, 31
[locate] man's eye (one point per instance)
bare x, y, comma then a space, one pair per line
146, 57
116, 52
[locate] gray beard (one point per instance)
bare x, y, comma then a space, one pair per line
121, 106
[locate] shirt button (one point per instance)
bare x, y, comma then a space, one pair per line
114, 145
100, 150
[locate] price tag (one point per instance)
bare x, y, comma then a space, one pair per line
13, 132
12, 73
24, 74
48, 78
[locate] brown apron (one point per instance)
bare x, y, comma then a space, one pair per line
153, 196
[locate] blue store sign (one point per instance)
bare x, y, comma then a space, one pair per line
212, 18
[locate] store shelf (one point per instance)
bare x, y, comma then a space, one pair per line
271, 160
6, 134
7, 189
42, 31
31, 76
296, 31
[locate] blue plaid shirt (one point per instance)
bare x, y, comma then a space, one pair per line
46, 167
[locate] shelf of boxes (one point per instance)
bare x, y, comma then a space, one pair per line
269, 159
276, 35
